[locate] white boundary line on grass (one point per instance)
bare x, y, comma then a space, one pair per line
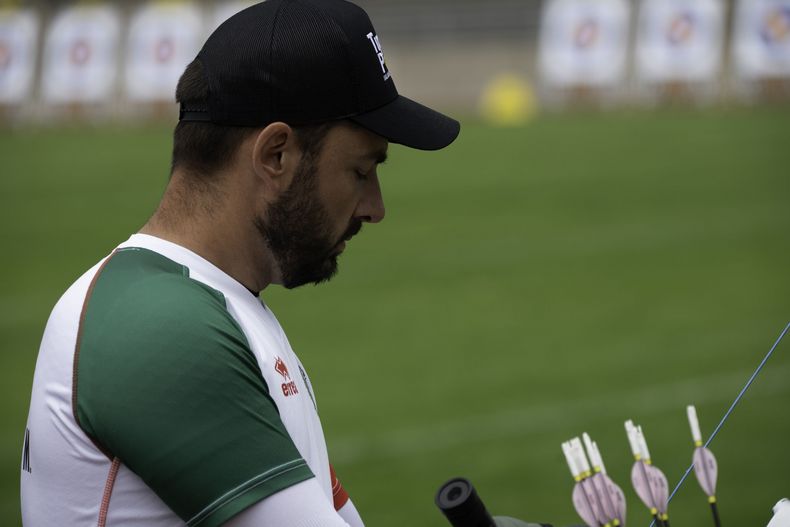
525, 421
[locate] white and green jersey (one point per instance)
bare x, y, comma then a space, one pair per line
165, 393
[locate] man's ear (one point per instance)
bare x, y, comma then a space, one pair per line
275, 157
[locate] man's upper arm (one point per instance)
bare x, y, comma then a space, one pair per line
165, 381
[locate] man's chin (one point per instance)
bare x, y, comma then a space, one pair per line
314, 275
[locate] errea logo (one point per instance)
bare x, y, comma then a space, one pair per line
288, 387
374, 40
281, 368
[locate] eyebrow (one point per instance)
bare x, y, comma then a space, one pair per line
379, 156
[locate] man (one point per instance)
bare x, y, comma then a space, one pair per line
165, 391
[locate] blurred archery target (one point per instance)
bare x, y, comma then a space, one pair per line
163, 39
584, 42
18, 36
762, 39
680, 40
81, 55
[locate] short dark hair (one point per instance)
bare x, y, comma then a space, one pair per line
203, 148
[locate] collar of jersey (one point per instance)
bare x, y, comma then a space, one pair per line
215, 276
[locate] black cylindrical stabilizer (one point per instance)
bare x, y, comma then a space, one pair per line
460, 503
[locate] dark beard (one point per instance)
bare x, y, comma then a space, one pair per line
297, 230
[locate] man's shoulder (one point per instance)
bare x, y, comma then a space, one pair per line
141, 303
137, 287
136, 271
133, 274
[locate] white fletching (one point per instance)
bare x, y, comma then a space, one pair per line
589, 448
640, 436
598, 458
694, 424
581, 458
630, 431
566, 449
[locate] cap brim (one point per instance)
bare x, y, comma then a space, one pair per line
411, 124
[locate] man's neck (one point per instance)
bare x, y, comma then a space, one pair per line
238, 251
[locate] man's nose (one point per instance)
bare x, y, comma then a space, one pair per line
371, 208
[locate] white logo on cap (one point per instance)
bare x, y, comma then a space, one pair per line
374, 40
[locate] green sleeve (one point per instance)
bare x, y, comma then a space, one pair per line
166, 382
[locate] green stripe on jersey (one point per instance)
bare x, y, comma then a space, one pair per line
166, 382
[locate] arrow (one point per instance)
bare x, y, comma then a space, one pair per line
705, 467
656, 479
660, 486
581, 499
588, 484
613, 499
640, 478
613, 488
598, 501
732, 406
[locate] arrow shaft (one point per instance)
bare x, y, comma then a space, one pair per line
715, 510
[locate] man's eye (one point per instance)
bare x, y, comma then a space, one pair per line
361, 174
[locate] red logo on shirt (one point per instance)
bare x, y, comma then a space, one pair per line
288, 387
281, 368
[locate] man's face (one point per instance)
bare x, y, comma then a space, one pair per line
329, 198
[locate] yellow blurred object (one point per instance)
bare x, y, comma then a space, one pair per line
508, 100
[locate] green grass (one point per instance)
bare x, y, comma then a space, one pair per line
527, 285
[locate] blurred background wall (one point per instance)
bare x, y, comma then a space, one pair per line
505, 58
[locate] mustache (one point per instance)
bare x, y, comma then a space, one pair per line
354, 227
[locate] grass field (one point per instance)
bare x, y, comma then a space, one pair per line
527, 285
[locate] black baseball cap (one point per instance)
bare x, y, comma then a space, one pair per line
307, 62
